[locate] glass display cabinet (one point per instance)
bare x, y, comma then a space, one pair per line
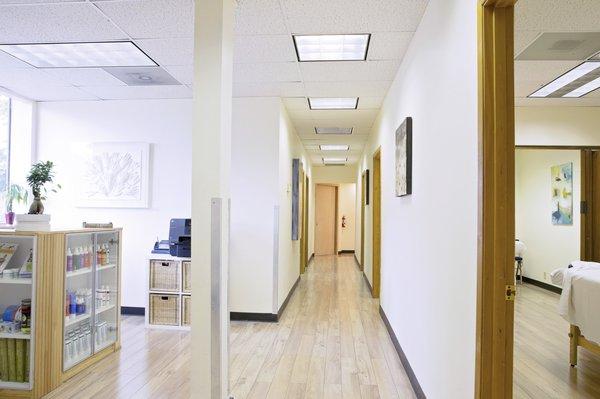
91, 295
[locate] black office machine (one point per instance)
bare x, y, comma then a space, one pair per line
180, 238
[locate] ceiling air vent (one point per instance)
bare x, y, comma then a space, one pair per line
144, 76
562, 46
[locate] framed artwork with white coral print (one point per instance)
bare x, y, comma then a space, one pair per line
115, 175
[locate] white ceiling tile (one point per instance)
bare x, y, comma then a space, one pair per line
7, 61
558, 15
268, 89
143, 19
28, 77
38, 92
394, 15
370, 102
563, 102
65, 22
264, 48
266, 72
524, 38
139, 92
389, 45
545, 71
183, 73
259, 17
9, 2
296, 103
347, 89
348, 71
526, 87
169, 51
84, 76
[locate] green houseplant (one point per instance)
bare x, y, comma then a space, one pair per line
39, 176
15, 193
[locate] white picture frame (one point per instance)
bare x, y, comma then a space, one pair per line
115, 175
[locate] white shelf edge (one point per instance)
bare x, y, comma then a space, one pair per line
15, 336
106, 267
77, 319
103, 346
23, 281
69, 365
104, 309
79, 272
25, 386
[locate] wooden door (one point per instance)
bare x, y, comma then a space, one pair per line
590, 201
305, 221
376, 223
362, 220
325, 220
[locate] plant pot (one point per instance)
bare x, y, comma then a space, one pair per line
9, 218
36, 208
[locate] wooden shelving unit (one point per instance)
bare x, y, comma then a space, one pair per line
47, 287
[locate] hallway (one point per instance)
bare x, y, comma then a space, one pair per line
330, 343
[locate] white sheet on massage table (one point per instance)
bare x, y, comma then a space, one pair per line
583, 307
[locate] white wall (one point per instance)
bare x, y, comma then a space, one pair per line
577, 126
548, 246
429, 239
166, 124
254, 190
290, 147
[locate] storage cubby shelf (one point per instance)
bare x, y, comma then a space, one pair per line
70, 321
79, 272
24, 281
15, 336
21, 386
106, 267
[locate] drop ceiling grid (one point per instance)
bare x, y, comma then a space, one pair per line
534, 17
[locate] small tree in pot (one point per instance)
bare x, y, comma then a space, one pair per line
40, 174
15, 193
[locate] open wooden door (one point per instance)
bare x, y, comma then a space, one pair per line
377, 223
303, 229
362, 219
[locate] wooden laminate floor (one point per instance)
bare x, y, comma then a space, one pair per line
542, 367
330, 343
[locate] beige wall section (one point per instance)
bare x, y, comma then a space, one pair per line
290, 147
548, 246
557, 125
429, 239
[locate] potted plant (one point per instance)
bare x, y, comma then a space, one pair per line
15, 193
40, 174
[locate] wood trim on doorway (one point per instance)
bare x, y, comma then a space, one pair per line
303, 229
336, 215
376, 291
363, 204
496, 221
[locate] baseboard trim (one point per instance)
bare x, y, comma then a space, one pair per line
541, 284
414, 382
357, 263
245, 316
368, 283
345, 251
133, 311
310, 258
287, 299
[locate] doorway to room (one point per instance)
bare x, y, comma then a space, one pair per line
376, 223
325, 219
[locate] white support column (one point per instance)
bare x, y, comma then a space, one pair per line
211, 154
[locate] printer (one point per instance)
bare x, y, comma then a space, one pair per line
180, 238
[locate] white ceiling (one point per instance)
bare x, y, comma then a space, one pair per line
534, 17
264, 55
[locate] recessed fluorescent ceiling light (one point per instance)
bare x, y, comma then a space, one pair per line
332, 47
335, 160
333, 103
334, 147
576, 83
333, 130
79, 55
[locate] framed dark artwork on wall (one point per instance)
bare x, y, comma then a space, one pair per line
367, 187
295, 198
404, 158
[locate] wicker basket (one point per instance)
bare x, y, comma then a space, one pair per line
164, 310
186, 310
164, 276
187, 277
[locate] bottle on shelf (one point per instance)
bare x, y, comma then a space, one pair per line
69, 260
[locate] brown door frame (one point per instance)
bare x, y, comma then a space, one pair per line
363, 198
496, 213
376, 264
336, 213
303, 229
